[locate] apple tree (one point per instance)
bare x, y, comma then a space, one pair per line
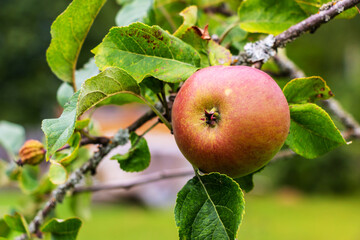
156, 46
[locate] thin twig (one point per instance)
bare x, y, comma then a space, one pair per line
87, 141
313, 22
283, 154
144, 179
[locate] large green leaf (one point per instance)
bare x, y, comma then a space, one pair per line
147, 51
68, 33
12, 136
190, 17
103, 87
136, 11
313, 6
58, 130
312, 132
209, 207
137, 158
270, 16
302, 90
62, 229
17, 223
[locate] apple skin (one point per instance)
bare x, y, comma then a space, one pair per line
253, 124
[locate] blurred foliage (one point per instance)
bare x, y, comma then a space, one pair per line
27, 86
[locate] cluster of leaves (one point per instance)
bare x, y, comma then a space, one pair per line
139, 60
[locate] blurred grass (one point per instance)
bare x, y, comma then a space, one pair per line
281, 216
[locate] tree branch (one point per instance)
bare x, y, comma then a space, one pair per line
262, 50
58, 195
144, 179
313, 22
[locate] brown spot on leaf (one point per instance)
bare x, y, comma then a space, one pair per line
322, 89
330, 93
320, 95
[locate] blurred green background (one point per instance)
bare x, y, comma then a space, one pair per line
293, 199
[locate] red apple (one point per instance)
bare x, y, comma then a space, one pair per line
231, 120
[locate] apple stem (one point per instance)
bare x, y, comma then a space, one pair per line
211, 117
162, 118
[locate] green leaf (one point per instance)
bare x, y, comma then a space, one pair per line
312, 132
4, 228
74, 143
147, 51
57, 173
209, 207
303, 90
12, 136
87, 71
136, 11
17, 223
58, 131
13, 171
246, 182
211, 53
270, 16
218, 55
137, 158
28, 178
68, 33
190, 17
102, 89
313, 6
106, 86
81, 124
63, 229
64, 93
